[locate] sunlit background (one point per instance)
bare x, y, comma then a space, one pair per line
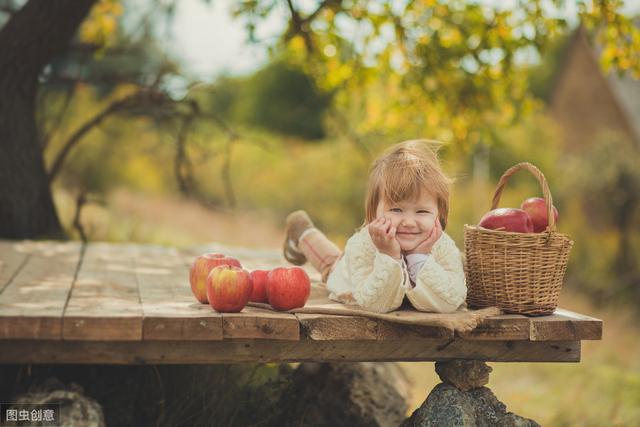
190, 122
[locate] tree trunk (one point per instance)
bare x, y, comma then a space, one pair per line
30, 40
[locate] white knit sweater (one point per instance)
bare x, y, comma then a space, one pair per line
377, 282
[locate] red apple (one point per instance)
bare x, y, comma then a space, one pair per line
228, 288
288, 287
259, 282
200, 269
536, 207
507, 219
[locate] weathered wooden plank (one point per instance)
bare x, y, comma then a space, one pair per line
32, 304
170, 310
326, 327
12, 259
577, 316
259, 323
565, 325
104, 302
502, 328
180, 320
261, 351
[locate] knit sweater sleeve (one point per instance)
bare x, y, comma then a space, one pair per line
440, 283
376, 280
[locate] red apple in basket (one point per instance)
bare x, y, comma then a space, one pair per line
259, 282
228, 288
507, 219
288, 287
536, 207
200, 269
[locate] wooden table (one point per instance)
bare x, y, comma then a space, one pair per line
65, 302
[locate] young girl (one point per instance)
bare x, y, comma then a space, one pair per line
401, 250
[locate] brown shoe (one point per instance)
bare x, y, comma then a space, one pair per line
297, 222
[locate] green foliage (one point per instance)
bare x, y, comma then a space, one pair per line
543, 75
224, 96
535, 140
604, 186
279, 98
607, 174
279, 176
286, 100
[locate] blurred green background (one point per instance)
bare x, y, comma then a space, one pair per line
140, 145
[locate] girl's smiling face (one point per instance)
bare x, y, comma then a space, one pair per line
412, 219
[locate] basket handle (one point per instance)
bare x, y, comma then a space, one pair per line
546, 193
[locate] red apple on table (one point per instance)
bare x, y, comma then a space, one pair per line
228, 288
200, 269
536, 207
507, 219
259, 282
288, 287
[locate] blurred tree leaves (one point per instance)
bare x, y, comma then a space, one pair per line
617, 34
542, 76
280, 98
603, 185
100, 27
367, 73
449, 69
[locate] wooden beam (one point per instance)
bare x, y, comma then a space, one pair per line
262, 351
505, 327
565, 325
259, 323
327, 327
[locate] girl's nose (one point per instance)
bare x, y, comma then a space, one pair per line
407, 221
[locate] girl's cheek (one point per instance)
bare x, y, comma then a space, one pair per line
429, 224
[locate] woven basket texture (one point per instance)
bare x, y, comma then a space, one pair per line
521, 273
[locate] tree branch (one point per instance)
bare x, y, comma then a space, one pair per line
81, 200
321, 7
226, 174
58, 119
300, 26
84, 129
182, 164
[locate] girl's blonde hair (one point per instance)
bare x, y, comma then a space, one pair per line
402, 172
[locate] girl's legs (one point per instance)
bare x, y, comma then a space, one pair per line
305, 242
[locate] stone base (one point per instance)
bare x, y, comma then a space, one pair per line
464, 375
448, 406
462, 400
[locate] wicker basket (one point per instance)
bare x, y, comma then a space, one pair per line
518, 272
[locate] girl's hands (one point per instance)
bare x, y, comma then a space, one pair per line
426, 246
383, 235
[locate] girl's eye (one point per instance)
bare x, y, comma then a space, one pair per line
423, 212
395, 210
